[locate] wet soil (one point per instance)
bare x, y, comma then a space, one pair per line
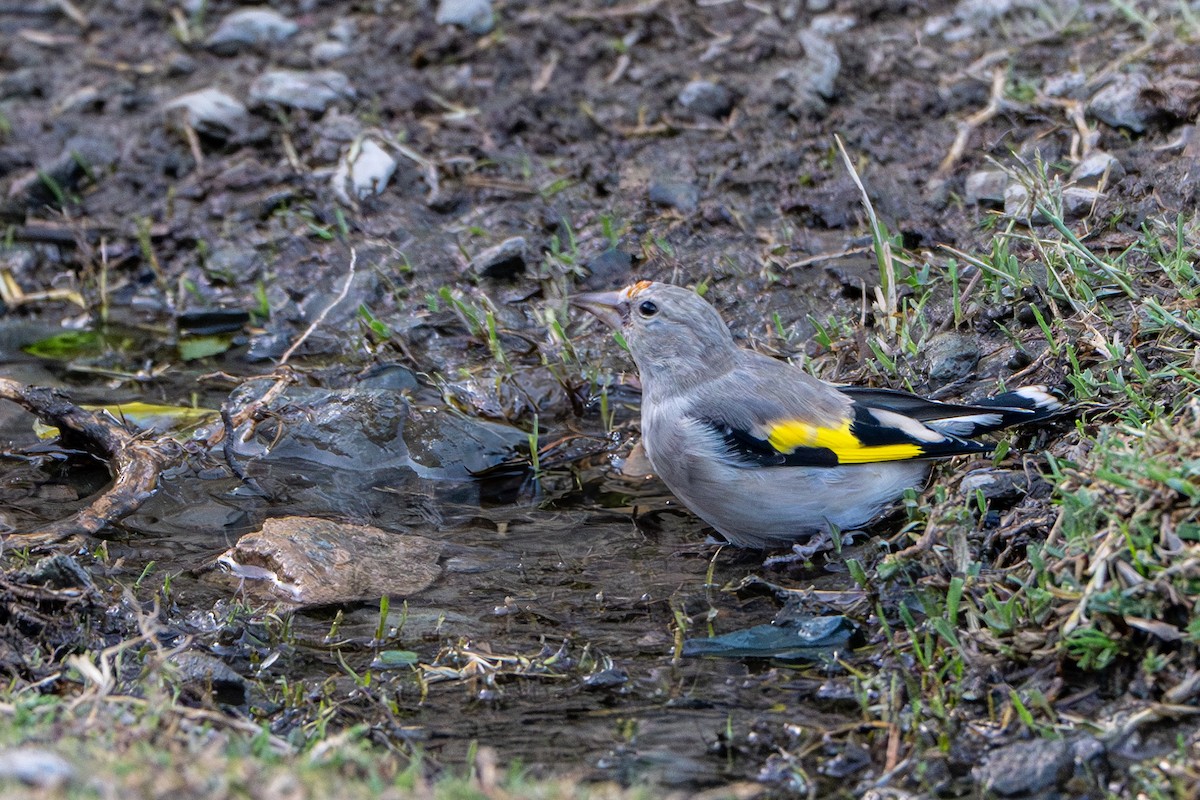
562, 593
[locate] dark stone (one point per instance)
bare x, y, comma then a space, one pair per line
709, 99
680, 195
951, 356
1026, 768
505, 261
56, 572
609, 270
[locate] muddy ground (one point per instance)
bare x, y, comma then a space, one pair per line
686, 142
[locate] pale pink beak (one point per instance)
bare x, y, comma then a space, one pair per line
609, 307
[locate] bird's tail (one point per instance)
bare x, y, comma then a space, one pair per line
1027, 404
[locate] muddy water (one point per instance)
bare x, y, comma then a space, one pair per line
550, 635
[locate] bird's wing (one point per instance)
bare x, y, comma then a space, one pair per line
866, 435
779, 416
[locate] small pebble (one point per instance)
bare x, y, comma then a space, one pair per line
35, 767
371, 170
474, 15
1120, 103
680, 195
951, 356
707, 98
1026, 768
329, 50
1098, 167
832, 24
211, 112
250, 27
311, 91
986, 186
609, 270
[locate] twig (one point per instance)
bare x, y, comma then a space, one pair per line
134, 462
996, 103
316, 323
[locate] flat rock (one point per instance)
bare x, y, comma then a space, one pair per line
309, 561
995, 484
201, 671
311, 91
250, 27
84, 157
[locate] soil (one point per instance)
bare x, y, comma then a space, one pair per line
563, 124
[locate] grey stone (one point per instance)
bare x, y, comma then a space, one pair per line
609, 270
344, 30
822, 64
251, 27
202, 670
234, 264
986, 186
995, 484
505, 261
1017, 202
832, 24
36, 767
474, 15
951, 356
1120, 103
680, 195
1078, 201
329, 50
371, 170
1097, 168
812, 80
83, 157
211, 112
58, 571
24, 82
707, 98
311, 91
1064, 84
1026, 768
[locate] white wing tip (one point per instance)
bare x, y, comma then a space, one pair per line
1040, 396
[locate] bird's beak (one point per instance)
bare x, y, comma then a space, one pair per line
605, 305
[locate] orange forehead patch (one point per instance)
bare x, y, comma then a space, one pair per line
640, 286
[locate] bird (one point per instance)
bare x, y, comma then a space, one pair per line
762, 451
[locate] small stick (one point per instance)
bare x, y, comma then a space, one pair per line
316, 323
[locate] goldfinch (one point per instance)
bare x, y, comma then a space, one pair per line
762, 451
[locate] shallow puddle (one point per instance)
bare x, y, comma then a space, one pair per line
550, 634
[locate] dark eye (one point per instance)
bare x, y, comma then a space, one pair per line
647, 308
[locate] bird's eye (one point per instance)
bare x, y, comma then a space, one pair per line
647, 308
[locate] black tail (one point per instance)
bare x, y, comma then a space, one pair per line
1027, 404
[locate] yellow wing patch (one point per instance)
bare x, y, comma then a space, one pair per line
788, 436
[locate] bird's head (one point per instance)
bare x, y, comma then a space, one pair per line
672, 332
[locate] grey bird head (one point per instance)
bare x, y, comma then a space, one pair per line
674, 335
